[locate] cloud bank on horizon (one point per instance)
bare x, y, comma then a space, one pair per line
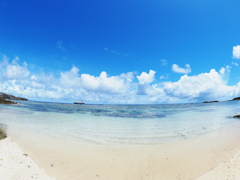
127, 88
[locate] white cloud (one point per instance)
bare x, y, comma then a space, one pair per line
70, 79
106, 84
177, 69
166, 76
163, 62
17, 79
146, 78
236, 52
205, 86
13, 70
128, 77
16, 72
225, 71
234, 63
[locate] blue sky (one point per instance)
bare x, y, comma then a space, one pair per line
166, 51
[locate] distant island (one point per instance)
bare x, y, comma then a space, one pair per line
234, 99
6, 98
210, 101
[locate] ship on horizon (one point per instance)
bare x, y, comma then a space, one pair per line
79, 102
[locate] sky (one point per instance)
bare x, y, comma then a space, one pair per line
120, 52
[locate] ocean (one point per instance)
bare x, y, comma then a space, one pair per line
120, 124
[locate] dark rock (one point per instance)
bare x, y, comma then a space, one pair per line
11, 97
210, 101
237, 116
3, 101
236, 98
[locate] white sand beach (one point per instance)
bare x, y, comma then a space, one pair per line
214, 156
15, 164
228, 170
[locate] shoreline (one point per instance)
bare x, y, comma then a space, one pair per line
190, 159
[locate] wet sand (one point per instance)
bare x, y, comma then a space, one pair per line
186, 159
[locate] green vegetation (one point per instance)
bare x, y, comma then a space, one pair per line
3, 133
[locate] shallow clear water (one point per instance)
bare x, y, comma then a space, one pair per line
120, 124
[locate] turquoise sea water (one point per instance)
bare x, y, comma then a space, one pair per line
120, 124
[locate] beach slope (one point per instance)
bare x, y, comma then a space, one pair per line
228, 170
14, 164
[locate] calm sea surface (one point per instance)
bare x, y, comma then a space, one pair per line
120, 124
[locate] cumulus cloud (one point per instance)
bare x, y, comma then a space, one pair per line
105, 84
204, 86
146, 78
236, 52
70, 79
18, 79
13, 70
178, 69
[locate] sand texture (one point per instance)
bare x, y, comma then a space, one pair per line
209, 157
14, 164
229, 170
185, 160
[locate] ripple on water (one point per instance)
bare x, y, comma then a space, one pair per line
120, 124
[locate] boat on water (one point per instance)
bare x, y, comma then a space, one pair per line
79, 102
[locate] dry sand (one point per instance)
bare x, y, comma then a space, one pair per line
229, 170
15, 164
208, 157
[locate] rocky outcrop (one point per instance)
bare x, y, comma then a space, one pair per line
236, 98
237, 116
11, 97
3, 101
210, 101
